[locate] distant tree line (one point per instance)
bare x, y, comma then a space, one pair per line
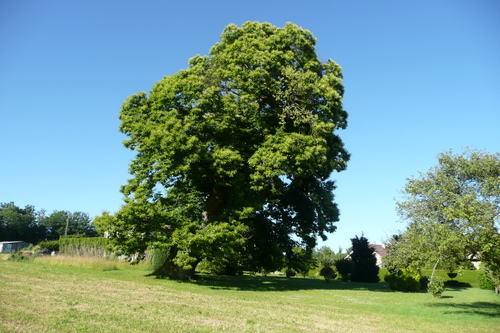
32, 226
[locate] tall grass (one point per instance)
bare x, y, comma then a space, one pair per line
89, 263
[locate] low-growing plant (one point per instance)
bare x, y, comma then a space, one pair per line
424, 281
220, 267
82, 262
159, 256
327, 273
485, 281
403, 281
290, 273
85, 247
17, 256
345, 267
436, 286
49, 245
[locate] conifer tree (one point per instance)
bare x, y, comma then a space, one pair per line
365, 263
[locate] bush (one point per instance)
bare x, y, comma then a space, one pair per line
85, 247
328, 273
424, 281
17, 256
345, 267
436, 286
49, 245
402, 281
158, 257
220, 267
484, 281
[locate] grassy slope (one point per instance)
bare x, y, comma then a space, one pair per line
38, 297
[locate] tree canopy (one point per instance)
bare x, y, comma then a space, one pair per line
77, 223
235, 152
18, 223
32, 226
453, 213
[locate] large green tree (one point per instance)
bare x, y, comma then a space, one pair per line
234, 153
61, 223
453, 214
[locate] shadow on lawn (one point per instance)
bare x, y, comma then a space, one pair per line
486, 309
454, 284
276, 283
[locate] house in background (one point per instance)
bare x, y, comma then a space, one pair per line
11, 246
379, 252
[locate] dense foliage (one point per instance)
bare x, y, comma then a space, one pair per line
18, 223
345, 267
453, 215
235, 153
51, 246
32, 226
484, 280
436, 286
325, 256
85, 246
403, 281
364, 260
327, 273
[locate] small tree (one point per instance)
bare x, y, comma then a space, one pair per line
328, 273
345, 267
436, 286
324, 256
453, 214
365, 263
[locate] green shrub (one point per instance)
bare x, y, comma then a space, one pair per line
403, 281
290, 273
484, 281
17, 256
85, 247
158, 257
220, 267
345, 267
327, 273
49, 245
436, 286
424, 281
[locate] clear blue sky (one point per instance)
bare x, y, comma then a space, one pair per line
421, 77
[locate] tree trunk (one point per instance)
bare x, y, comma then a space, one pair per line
214, 205
434, 268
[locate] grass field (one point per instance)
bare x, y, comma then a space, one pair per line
50, 296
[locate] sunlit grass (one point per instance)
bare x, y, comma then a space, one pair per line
42, 296
89, 263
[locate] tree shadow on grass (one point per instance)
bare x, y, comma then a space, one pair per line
278, 283
455, 284
486, 309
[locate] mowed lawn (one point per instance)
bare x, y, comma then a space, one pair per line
43, 297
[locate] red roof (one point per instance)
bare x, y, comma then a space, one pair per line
379, 249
